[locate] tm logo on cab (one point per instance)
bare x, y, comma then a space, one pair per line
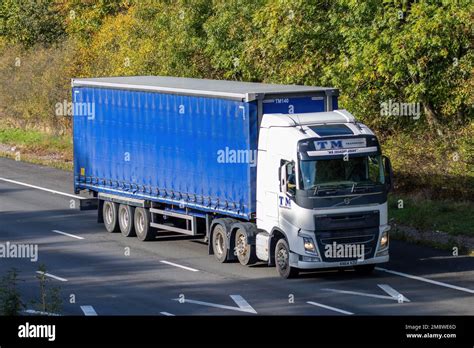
324, 145
284, 202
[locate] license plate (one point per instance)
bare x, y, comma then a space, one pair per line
348, 263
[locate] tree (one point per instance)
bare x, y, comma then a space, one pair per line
228, 32
31, 22
408, 51
10, 298
293, 42
84, 18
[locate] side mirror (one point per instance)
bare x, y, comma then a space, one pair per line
283, 179
388, 173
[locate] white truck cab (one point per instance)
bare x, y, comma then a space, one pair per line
322, 186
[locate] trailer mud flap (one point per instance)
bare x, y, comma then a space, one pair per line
88, 204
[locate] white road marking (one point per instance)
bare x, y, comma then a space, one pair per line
167, 314
32, 311
329, 307
243, 306
426, 280
180, 266
392, 292
443, 257
88, 310
42, 189
360, 294
52, 276
67, 234
240, 301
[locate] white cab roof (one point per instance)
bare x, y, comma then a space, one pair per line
302, 126
289, 120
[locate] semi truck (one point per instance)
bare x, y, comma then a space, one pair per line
262, 172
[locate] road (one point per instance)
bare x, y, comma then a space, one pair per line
108, 274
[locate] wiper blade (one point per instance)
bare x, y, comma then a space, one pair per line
361, 185
325, 188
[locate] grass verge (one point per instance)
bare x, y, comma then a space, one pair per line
36, 147
451, 217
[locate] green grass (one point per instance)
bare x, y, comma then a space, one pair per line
454, 218
35, 140
38, 147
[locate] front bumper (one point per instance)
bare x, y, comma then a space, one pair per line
296, 262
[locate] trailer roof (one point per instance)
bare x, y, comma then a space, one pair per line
246, 91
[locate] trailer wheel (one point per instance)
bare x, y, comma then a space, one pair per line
110, 212
220, 243
125, 218
142, 225
282, 260
244, 251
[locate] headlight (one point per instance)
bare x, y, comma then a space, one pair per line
309, 245
384, 240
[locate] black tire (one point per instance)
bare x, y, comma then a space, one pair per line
142, 225
126, 217
220, 244
282, 260
245, 252
110, 214
364, 269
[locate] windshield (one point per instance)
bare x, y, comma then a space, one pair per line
354, 172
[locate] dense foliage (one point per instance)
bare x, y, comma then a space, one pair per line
374, 51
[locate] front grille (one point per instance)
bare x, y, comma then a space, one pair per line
348, 229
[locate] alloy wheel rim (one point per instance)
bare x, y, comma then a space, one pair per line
241, 246
282, 258
125, 219
108, 214
219, 243
141, 223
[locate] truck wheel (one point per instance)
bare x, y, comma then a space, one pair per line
364, 269
220, 243
244, 251
110, 212
125, 218
282, 260
142, 225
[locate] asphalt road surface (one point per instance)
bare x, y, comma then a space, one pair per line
108, 274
